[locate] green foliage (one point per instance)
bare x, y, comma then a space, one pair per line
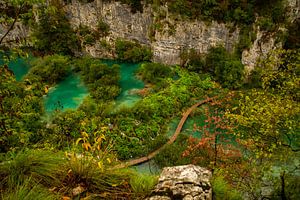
53, 33
142, 184
196, 63
143, 127
51, 69
136, 5
103, 28
154, 72
67, 126
268, 117
223, 191
167, 157
132, 51
86, 171
89, 36
246, 38
20, 111
42, 167
226, 68
291, 186
12, 11
229, 11
293, 38
29, 191
266, 24
102, 80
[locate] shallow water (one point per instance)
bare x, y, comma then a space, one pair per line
148, 167
128, 82
188, 127
68, 94
20, 66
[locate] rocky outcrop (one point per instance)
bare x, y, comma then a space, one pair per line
188, 182
262, 45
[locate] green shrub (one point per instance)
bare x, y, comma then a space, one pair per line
293, 39
21, 110
154, 72
223, 191
246, 38
51, 69
266, 24
53, 32
226, 68
135, 5
101, 80
168, 157
132, 51
89, 40
103, 28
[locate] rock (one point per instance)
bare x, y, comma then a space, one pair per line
188, 182
166, 46
78, 190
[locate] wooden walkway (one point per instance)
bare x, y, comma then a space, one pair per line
171, 140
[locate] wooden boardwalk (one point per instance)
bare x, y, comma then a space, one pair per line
171, 140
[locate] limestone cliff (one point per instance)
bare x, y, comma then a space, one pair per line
187, 182
166, 35
166, 43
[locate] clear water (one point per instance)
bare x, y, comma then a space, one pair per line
128, 82
19, 66
188, 127
148, 167
68, 94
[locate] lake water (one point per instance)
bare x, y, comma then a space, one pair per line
68, 94
128, 83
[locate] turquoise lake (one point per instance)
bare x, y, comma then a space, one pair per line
128, 82
19, 66
68, 94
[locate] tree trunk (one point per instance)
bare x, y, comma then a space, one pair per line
282, 194
13, 24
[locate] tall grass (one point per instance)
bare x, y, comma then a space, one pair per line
86, 172
43, 167
28, 191
142, 184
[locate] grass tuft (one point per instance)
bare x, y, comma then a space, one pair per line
42, 167
28, 191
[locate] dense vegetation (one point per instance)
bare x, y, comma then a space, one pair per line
132, 51
248, 136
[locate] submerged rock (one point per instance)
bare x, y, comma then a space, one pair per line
187, 182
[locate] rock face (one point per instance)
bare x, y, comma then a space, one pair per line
166, 43
16, 36
188, 182
167, 35
260, 47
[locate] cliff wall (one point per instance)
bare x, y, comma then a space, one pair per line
165, 34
